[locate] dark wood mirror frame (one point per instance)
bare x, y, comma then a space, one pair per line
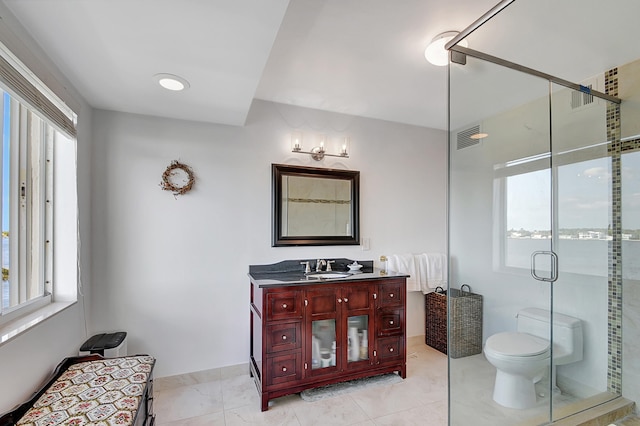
279, 239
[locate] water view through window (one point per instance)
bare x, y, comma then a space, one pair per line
583, 219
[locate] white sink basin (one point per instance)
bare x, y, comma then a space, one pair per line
327, 275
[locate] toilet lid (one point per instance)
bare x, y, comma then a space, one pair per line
517, 344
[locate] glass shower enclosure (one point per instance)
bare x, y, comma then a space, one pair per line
534, 226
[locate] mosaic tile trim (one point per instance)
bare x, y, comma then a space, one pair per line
630, 145
614, 332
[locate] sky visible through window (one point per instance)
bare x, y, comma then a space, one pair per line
6, 100
584, 196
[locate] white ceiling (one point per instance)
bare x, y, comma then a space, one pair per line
361, 57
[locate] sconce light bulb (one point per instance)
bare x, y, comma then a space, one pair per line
296, 142
345, 146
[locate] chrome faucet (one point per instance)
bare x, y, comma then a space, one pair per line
307, 269
319, 264
329, 262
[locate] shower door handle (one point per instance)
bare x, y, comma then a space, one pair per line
554, 266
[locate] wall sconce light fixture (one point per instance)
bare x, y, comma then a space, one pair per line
318, 152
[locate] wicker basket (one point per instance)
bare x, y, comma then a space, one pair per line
466, 321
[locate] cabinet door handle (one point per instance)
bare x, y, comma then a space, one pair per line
339, 300
390, 349
284, 369
284, 337
284, 306
390, 294
390, 322
345, 300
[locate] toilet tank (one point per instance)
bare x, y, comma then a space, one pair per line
567, 332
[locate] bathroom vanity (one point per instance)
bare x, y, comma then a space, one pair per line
310, 330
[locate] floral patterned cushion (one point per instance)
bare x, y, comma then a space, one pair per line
101, 393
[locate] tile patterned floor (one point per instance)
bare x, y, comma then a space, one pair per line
228, 397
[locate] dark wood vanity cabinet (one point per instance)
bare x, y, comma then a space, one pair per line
310, 335
391, 324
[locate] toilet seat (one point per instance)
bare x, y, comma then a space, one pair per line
509, 345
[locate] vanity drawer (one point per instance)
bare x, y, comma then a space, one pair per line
284, 369
392, 293
284, 337
390, 349
389, 321
282, 305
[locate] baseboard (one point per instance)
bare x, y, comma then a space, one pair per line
202, 376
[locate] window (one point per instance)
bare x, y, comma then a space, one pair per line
528, 214
34, 138
574, 195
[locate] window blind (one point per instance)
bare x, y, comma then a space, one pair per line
19, 85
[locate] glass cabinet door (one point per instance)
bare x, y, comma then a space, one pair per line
323, 344
358, 338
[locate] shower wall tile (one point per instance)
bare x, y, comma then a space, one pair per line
629, 91
614, 334
631, 327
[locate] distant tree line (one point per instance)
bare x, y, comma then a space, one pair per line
634, 234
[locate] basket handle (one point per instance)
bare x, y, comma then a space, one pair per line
439, 290
462, 288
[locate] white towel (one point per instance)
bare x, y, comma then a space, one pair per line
432, 268
405, 264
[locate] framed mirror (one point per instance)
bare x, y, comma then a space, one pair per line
314, 207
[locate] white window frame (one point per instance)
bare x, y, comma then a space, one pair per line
39, 115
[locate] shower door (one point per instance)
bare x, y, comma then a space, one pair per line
529, 187
585, 134
500, 214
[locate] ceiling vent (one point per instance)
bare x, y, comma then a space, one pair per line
581, 98
464, 137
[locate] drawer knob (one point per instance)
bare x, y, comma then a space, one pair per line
339, 300
284, 337
346, 300
390, 349
284, 369
390, 294
390, 322
284, 306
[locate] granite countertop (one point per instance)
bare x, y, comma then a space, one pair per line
291, 272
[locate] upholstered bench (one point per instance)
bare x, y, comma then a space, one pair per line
92, 390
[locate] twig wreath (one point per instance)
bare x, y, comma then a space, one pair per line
169, 182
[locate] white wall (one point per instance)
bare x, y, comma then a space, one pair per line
26, 360
173, 272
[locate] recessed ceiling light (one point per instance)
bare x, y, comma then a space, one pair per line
435, 52
172, 82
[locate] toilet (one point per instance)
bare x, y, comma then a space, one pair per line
521, 358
